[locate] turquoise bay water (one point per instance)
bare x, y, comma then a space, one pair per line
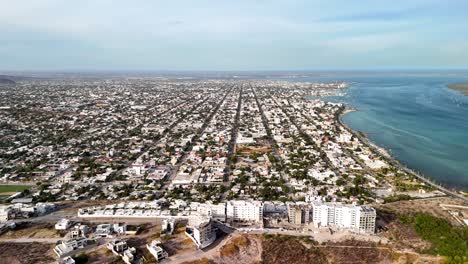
422, 122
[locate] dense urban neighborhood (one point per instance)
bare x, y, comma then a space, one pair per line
146, 170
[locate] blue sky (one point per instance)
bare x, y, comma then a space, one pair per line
44, 35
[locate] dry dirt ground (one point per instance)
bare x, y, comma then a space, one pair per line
258, 249
290, 250
430, 206
26, 253
247, 150
353, 251
102, 255
30, 230
240, 249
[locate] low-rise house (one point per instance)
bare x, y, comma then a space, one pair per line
156, 250
103, 230
5, 212
79, 230
62, 224
120, 248
167, 226
67, 260
66, 247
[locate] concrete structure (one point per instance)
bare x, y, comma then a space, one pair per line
156, 250
67, 260
62, 224
168, 226
120, 248
103, 230
79, 230
4, 213
299, 213
244, 211
217, 211
66, 247
201, 231
357, 218
20, 210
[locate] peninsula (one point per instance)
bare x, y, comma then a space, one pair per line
459, 87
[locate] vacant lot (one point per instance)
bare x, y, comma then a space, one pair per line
428, 206
26, 253
290, 250
29, 230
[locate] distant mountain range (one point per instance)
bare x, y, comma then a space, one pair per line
4, 80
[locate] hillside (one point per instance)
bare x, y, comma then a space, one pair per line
6, 81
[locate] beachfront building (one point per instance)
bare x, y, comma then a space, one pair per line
357, 218
244, 211
201, 230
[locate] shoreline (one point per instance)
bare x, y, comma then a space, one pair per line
386, 155
459, 87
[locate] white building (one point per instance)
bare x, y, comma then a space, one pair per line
65, 247
79, 230
201, 231
4, 213
168, 226
354, 217
244, 211
62, 224
217, 211
103, 230
156, 250
120, 248
67, 260
43, 208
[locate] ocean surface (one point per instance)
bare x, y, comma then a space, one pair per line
414, 116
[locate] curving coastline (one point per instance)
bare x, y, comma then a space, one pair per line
459, 87
384, 154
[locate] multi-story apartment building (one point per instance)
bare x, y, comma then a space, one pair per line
358, 218
299, 213
244, 211
201, 231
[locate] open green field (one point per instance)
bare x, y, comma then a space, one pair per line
460, 87
13, 188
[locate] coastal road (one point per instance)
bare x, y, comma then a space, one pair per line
397, 164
